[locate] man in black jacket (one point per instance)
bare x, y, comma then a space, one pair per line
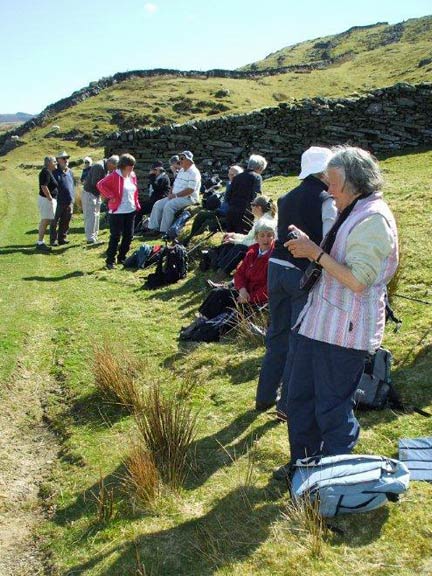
244, 189
159, 187
311, 209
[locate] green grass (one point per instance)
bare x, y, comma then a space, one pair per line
223, 521
356, 41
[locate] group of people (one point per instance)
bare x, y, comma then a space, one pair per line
321, 259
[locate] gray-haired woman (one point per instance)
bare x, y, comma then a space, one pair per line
47, 200
344, 316
250, 281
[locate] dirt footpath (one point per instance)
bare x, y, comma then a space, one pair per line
27, 450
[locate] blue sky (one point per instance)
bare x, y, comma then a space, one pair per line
49, 49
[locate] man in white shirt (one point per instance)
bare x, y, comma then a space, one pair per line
185, 191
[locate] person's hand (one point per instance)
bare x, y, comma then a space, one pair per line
243, 296
228, 238
171, 196
303, 247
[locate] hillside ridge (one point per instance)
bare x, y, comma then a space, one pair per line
309, 56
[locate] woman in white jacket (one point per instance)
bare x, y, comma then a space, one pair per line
234, 245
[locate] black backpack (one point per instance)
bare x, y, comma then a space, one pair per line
375, 390
172, 265
210, 330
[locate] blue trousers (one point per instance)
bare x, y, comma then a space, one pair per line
286, 301
322, 382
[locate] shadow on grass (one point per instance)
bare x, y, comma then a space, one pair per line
212, 452
85, 503
68, 276
200, 546
95, 409
228, 534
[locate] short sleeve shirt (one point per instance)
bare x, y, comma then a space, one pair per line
190, 178
47, 179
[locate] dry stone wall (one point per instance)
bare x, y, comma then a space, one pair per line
383, 121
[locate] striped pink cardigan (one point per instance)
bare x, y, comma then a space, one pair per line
337, 315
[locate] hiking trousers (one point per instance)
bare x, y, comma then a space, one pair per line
320, 390
286, 301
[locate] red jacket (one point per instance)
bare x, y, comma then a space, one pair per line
111, 187
252, 275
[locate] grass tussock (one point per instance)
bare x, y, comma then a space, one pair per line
116, 376
142, 478
251, 326
104, 498
167, 428
305, 521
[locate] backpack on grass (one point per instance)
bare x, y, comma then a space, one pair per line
209, 330
416, 454
375, 390
172, 266
350, 483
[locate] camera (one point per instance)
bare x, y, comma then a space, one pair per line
292, 236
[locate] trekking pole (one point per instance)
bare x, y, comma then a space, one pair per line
200, 243
413, 299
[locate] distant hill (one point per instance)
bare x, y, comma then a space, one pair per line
15, 118
355, 61
330, 50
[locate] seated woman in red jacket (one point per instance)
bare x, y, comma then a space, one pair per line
250, 282
121, 189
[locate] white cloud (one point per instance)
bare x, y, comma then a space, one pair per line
150, 8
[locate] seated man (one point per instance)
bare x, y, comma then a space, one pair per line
249, 290
185, 191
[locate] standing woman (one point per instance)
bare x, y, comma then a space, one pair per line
47, 200
344, 316
121, 190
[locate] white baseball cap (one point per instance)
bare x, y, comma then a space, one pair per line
314, 160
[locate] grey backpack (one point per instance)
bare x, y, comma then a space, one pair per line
350, 483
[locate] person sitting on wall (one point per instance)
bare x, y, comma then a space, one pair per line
159, 187
244, 188
87, 165
249, 288
213, 219
185, 191
174, 168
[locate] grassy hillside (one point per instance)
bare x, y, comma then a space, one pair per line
228, 519
364, 61
351, 43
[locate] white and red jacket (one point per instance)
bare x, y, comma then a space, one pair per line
111, 187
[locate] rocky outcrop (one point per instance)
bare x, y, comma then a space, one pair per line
383, 121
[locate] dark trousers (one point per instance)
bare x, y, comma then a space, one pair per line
218, 301
239, 220
229, 256
62, 218
121, 226
322, 382
286, 301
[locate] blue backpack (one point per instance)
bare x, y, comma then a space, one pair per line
350, 483
416, 453
178, 225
